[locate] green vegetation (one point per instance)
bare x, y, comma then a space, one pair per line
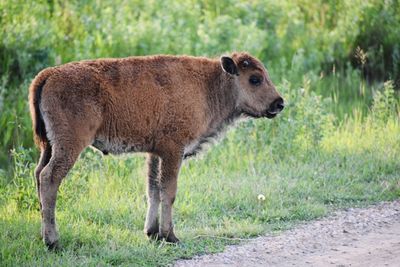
336, 144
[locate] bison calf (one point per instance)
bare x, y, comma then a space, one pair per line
167, 106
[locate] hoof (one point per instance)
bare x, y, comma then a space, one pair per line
169, 238
152, 234
52, 246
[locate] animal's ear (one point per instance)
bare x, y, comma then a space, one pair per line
229, 66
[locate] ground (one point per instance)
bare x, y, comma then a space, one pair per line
352, 237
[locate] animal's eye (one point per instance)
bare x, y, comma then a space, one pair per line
255, 80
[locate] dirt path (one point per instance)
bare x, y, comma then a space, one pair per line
353, 237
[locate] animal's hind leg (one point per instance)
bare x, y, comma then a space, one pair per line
45, 156
72, 117
153, 196
62, 159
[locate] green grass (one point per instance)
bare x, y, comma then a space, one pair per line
102, 204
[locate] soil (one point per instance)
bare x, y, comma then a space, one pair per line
352, 237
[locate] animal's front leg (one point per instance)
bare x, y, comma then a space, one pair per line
170, 166
153, 197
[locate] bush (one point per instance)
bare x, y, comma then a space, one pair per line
385, 105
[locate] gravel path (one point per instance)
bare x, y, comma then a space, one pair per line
353, 237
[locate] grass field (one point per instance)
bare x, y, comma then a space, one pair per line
337, 143
101, 205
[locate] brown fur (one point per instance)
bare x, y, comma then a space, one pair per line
167, 106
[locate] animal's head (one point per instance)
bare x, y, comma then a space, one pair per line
257, 96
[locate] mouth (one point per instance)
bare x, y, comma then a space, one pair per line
272, 112
270, 115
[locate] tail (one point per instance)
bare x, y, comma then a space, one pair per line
35, 94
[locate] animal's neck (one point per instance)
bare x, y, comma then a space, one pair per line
222, 98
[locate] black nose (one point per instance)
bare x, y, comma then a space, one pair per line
277, 106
